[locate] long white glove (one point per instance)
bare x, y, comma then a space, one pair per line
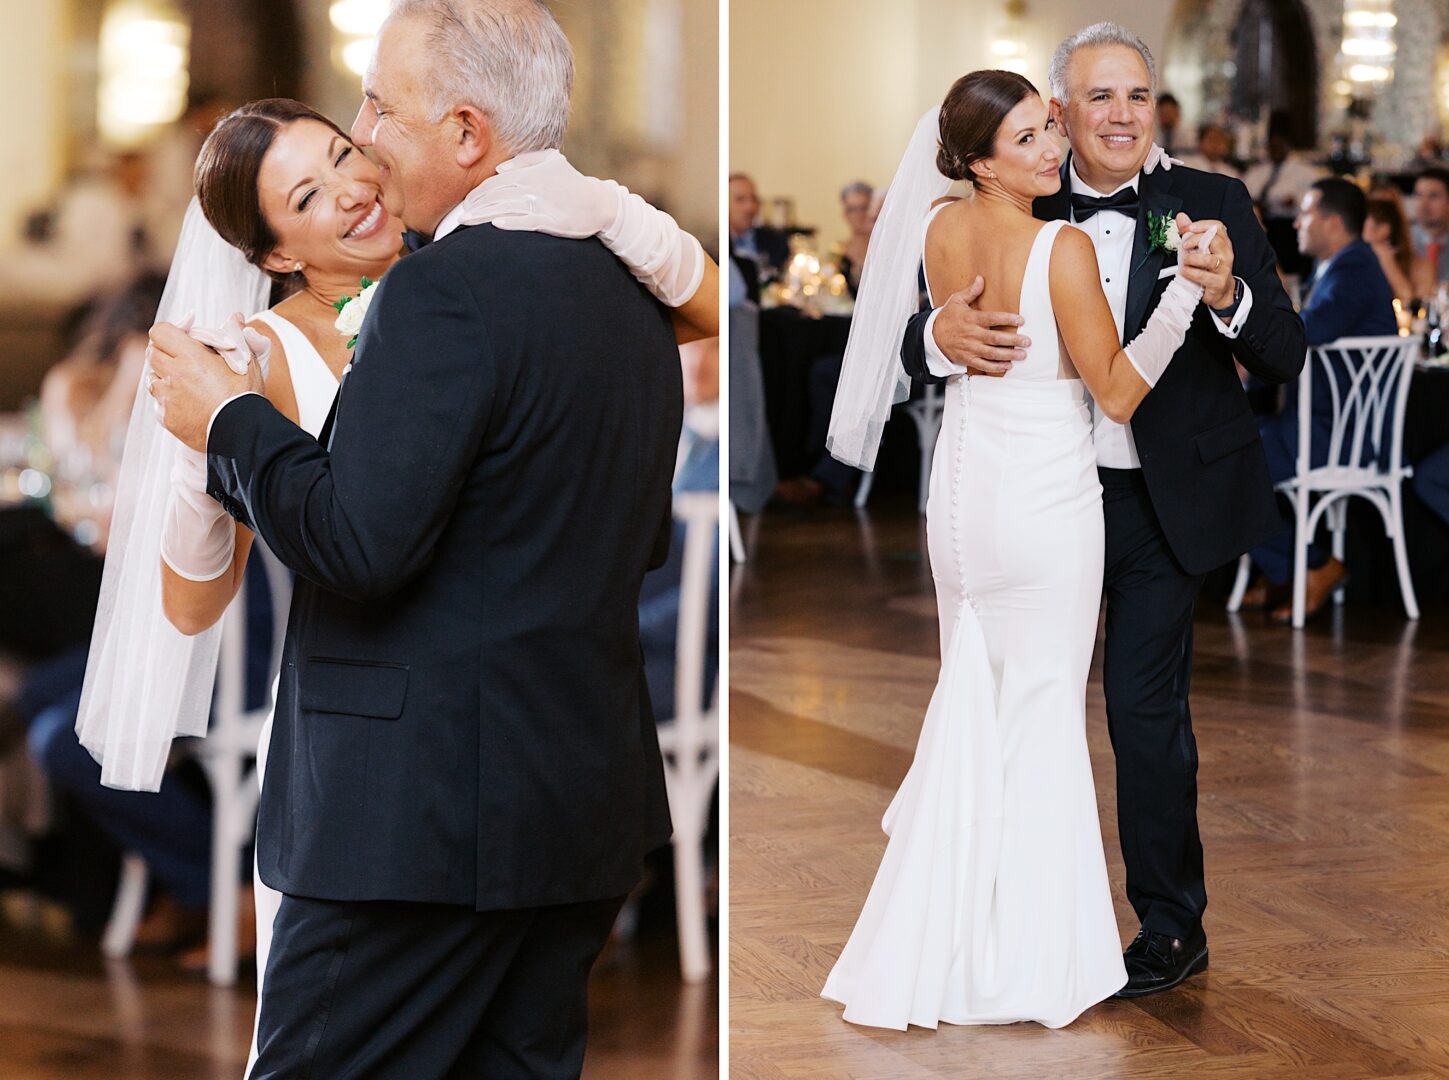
1153, 349
541, 192
198, 538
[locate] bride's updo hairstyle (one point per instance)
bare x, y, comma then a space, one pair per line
971, 115
227, 169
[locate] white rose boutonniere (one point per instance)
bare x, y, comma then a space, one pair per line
1162, 233
351, 310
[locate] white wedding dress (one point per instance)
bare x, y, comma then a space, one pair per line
315, 387
991, 904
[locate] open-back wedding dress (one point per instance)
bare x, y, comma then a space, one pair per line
991, 904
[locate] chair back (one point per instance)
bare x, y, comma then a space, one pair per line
1355, 390
699, 512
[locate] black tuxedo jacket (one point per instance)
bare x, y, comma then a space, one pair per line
1202, 458
462, 715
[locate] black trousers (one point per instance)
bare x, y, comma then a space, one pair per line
385, 990
1147, 667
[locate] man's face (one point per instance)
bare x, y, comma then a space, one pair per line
1431, 204
1109, 114
1313, 225
744, 205
416, 156
1168, 114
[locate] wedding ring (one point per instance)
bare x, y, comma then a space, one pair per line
1217, 260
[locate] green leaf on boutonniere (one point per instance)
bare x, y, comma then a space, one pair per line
1161, 236
1156, 231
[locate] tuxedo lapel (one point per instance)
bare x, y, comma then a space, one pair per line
1157, 198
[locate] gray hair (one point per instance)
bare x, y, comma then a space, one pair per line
1102, 33
856, 187
509, 58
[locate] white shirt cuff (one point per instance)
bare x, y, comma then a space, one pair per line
217, 411
1232, 329
936, 362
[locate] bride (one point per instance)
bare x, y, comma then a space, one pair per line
991, 903
286, 203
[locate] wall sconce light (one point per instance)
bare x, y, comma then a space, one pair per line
1368, 50
144, 61
354, 31
1008, 51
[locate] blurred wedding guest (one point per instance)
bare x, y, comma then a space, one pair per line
753, 473
857, 200
1348, 296
1431, 221
760, 251
49, 585
1169, 119
1429, 154
827, 478
1386, 231
92, 240
86, 398
1431, 481
1278, 186
1212, 151
49, 581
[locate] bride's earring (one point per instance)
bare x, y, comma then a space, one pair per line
297, 267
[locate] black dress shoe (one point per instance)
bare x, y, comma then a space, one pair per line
1157, 962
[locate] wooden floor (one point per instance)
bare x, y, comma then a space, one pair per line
1324, 806
65, 1015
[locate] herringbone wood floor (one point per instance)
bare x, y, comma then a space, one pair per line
66, 1015
1324, 788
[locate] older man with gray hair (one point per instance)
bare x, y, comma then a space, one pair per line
1185, 485
464, 775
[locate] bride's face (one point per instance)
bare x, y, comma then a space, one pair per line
1026, 157
321, 196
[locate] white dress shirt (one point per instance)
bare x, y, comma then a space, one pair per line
1112, 233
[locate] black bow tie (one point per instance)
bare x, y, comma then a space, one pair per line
1124, 202
413, 240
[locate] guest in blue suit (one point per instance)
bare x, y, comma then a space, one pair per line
1431, 481
1347, 296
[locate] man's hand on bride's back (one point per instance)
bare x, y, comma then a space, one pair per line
983, 341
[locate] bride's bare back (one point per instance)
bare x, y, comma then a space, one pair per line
971, 237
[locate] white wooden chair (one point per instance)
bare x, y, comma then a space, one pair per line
1365, 455
690, 741
925, 412
228, 756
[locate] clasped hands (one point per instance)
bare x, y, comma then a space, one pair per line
191, 370
986, 341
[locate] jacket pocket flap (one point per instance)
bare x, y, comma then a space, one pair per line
353, 687
1225, 438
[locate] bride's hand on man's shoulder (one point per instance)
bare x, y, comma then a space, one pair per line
982, 341
541, 191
